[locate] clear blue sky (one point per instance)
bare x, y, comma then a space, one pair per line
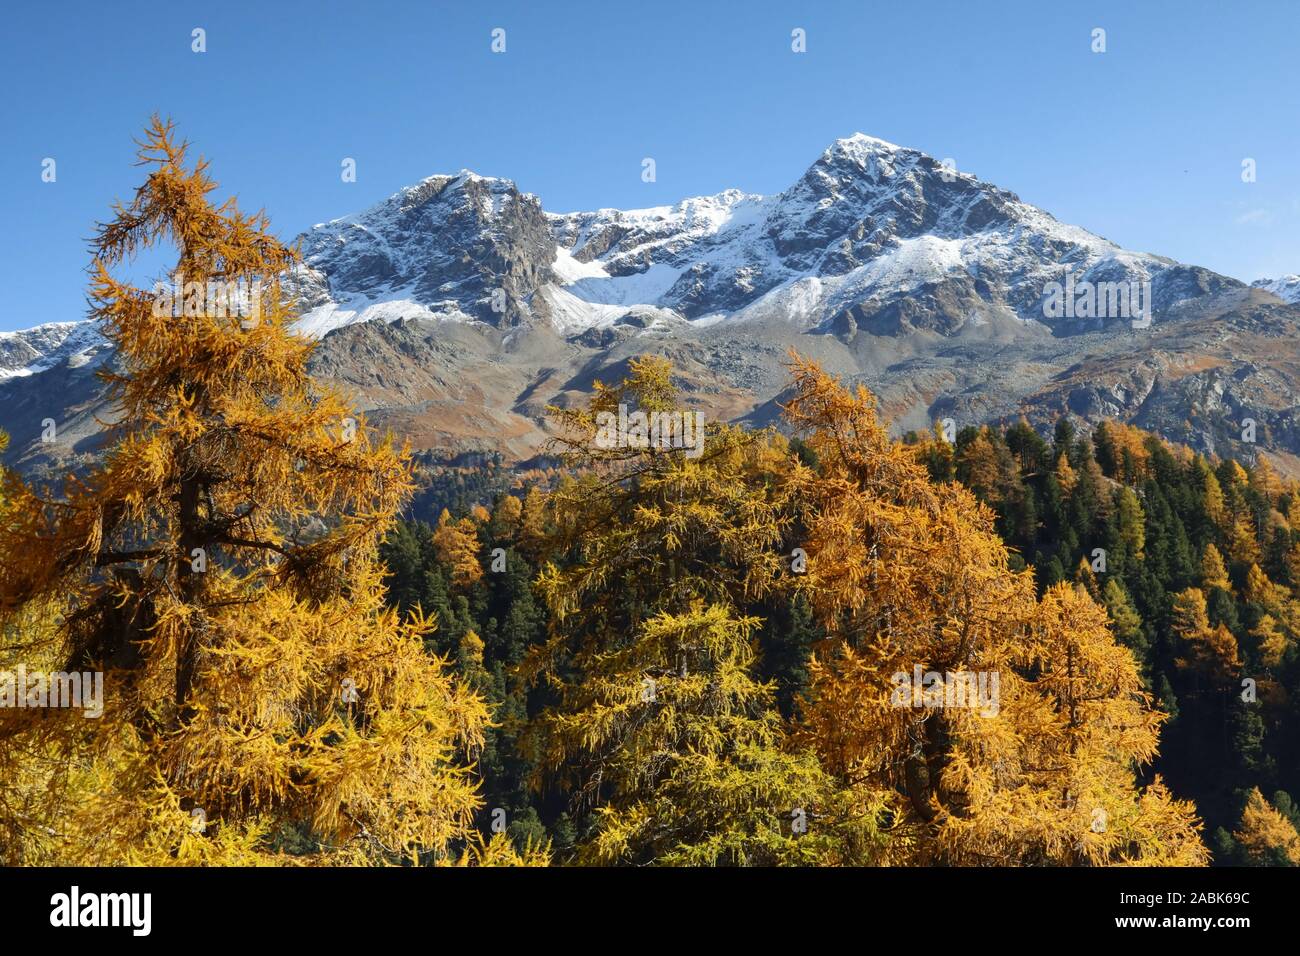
1142, 144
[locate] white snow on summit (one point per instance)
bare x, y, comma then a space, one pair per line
45, 346
1286, 288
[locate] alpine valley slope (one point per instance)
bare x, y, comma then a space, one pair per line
458, 309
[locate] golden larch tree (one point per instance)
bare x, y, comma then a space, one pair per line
1208, 652
660, 725
1213, 572
456, 544
1267, 838
220, 567
1022, 744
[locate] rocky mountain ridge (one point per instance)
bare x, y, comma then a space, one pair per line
459, 308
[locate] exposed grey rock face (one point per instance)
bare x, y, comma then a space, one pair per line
449, 242
457, 310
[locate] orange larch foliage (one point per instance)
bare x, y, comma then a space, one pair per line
1034, 765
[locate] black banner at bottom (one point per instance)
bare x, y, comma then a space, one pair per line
338, 906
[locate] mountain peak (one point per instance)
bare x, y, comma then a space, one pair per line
873, 236
861, 152
860, 142
1286, 288
33, 350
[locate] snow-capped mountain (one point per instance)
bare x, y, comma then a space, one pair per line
1287, 288
873, 235
35, 350
458, 309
